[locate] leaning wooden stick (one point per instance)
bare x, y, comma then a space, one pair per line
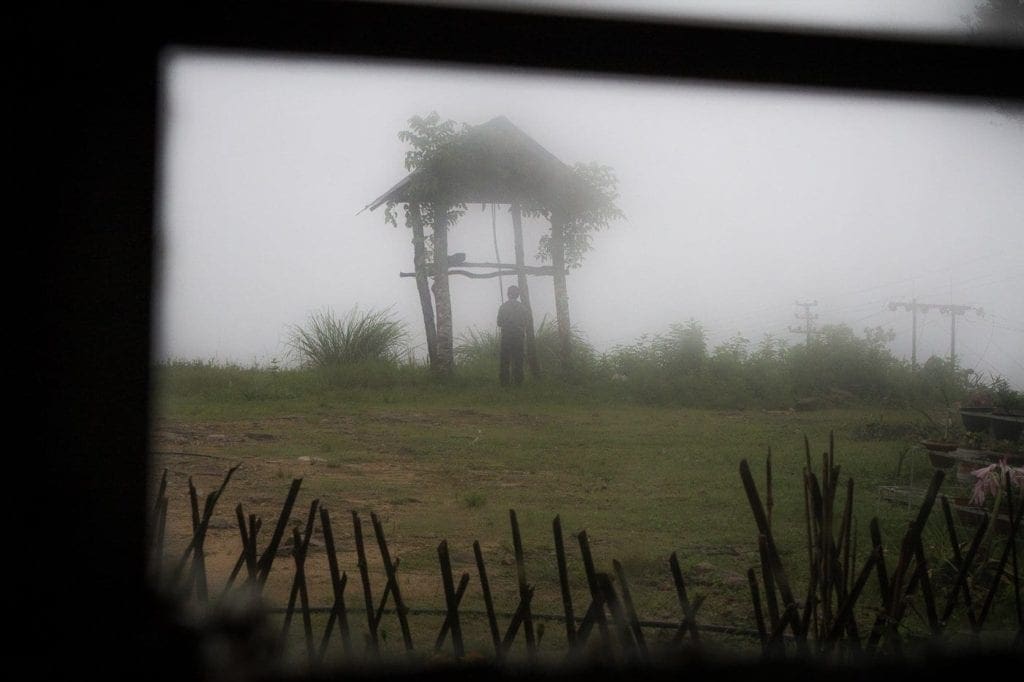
627, 601
761, 520
339, 614
563, 582
755, 597
485, 587
1007, 549
364, 574
451, 621
959, 585
396, 593
689, 612
769, 582
460, 591
597, 595
845, 613
517, 619
300, 543
517, 546
267, 560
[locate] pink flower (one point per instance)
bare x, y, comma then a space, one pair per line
990, 480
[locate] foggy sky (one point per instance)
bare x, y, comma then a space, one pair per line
738, 202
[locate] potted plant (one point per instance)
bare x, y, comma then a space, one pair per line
978, 408
993, 485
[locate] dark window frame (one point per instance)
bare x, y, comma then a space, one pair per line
94, 103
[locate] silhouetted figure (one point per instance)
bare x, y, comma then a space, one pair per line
513, 316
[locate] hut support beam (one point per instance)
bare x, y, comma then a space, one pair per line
415, 219
442, 293
561, 290
532, 361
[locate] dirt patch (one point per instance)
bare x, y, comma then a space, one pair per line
200, 454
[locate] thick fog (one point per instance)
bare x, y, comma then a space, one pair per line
738, 203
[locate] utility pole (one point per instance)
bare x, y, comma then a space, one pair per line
953, 311
807, 317
913, 307
946, 309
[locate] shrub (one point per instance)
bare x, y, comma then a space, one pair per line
477, 351
327, 341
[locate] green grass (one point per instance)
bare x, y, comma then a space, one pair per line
449, 460
329, 341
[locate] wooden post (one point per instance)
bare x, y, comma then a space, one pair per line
364, 573
563, 581
525, 591
419, 250
442, 294
561, 291
339, 613
532, 361
485, 587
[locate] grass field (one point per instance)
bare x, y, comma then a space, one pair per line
449, 462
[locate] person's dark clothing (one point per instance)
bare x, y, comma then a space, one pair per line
513, 317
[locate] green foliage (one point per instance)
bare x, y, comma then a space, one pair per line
838, 368
995, 393
599, 214
427, 136
477, 351
327, 341
1005, 397
548, 349
223, 382
839, 361
474, 500
431, 145
676, 367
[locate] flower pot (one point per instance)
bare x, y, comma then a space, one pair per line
970, 515
964, 467
938, 446
941, 461
976, 419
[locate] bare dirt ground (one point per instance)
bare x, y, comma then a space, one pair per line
205, 452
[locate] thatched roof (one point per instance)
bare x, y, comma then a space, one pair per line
494, 162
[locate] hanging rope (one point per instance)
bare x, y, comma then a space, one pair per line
497, 256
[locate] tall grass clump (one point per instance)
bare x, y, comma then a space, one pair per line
477, 352
549, 345
359, 337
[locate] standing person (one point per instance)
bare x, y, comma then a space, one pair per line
513, 316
